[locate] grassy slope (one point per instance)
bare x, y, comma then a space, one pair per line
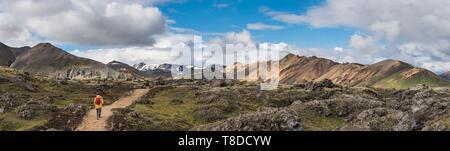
396, 81
162, 108
10, 122
312, 122
191, 112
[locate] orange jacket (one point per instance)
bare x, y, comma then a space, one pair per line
101, 104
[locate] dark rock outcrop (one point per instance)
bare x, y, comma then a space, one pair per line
269, 119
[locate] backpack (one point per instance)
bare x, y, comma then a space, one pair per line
98, 101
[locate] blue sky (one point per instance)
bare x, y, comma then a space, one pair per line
206, 17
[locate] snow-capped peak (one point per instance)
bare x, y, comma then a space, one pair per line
165, 67
145, 67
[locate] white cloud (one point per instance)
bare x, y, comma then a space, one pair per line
394, 19
243, 37
182, 30
146, 2
171, 22
438, 66
390, 29
169, 40
411, 29
339, 49
365, 44
160, 51
85, 22
283, 16
262, 26
129, 55
12, 33
221, 5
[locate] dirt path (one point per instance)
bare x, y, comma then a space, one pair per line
90, 122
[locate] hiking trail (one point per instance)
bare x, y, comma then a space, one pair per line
90, 122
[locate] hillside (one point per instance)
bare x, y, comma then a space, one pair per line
8, 54
299, 69
126, 71
296, 69
445, 75
412, 77
47, 59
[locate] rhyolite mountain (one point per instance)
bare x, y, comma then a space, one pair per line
296, 69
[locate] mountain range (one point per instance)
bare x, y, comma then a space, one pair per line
49, 60
295, 69
388, 73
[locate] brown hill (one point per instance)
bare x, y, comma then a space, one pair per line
360, 75
296, 69
126, 71
8, 54
47, 59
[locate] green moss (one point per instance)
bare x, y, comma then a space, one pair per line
445, 120
8, 72
314, 122
162, 108
396, 81
10, 122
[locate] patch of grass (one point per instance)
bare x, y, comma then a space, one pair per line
8, 72
396, 81
314, 122
445, 121
161, 105
61, 103
9, 122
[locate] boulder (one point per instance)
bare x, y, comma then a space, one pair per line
25, 112
8, 101
3, 79
35, 107
423, 103
326, 83
176, 101
269, 119
218, 83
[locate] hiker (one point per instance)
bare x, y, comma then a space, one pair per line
98, 103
